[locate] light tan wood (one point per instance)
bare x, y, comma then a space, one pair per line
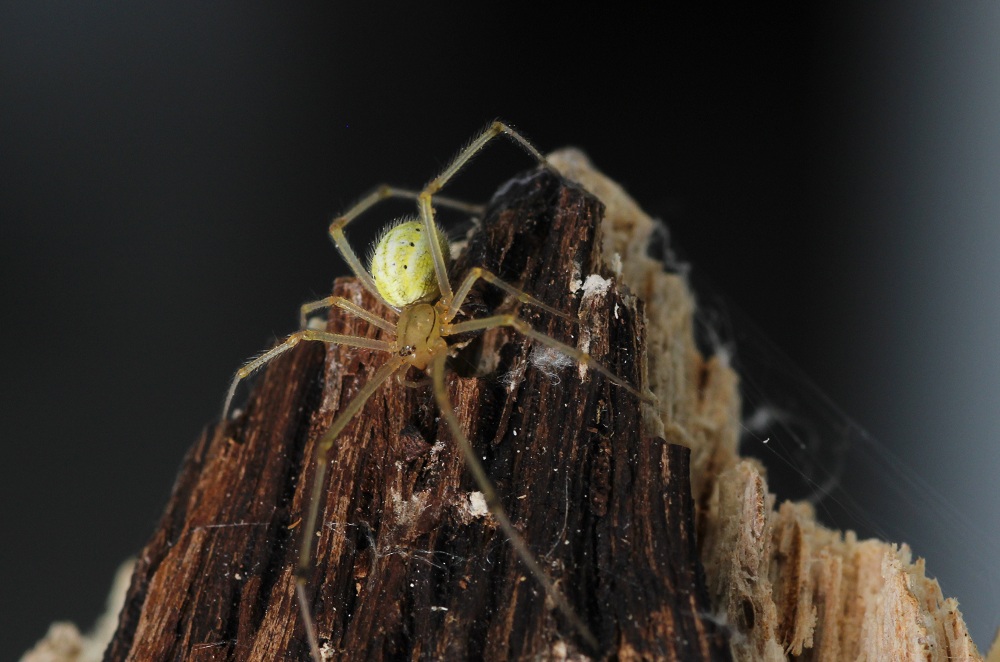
783, 584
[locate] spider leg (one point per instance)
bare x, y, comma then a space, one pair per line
441, 201
380, 193
495, 129
411, 383
525, 329
496, 508
328, 302
291, 341
322, 448
477, 273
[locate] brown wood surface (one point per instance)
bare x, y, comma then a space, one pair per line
405, 567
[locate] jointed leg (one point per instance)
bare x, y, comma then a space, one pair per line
328, 302
441, 201
381, 193
525, 329
496, 508
492, 131
322, 448
424, 201
307, 334
478, 272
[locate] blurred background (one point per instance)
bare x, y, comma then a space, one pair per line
169, 171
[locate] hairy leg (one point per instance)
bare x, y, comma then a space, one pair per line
291, 341
340, 302
316, 496
497, 128
525, 329
381, 193
477, 273
494, 505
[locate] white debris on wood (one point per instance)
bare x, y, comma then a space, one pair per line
594, 285
477, 505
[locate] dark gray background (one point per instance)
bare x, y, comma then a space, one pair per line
169, 169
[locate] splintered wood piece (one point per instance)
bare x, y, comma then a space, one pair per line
784, 586
409, 565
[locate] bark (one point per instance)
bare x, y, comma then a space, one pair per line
407, 566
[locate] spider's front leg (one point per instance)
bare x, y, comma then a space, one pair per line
437, 369
323, 447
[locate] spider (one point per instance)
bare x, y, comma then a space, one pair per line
408, 273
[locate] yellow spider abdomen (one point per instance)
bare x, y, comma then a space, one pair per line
402, 265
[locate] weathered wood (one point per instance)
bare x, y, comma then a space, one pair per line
784, 586
213, 584
406, 565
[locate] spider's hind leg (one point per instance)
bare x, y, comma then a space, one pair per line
308, 308
497, 128
380, 193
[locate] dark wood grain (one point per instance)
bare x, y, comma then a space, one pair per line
405, 567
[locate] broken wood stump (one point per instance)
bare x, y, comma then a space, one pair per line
408, 565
